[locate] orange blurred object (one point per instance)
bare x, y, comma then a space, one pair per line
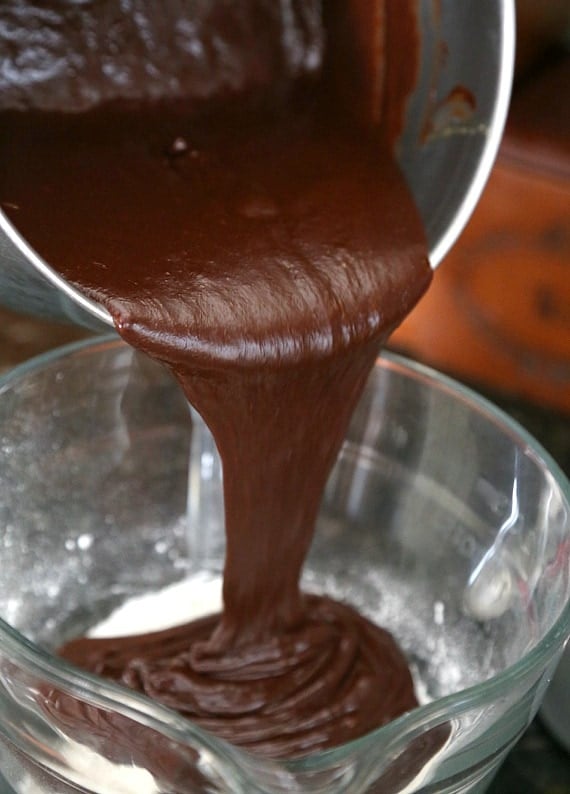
498, 312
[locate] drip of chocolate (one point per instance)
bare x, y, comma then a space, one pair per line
263, 253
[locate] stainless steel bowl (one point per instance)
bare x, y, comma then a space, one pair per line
454, 124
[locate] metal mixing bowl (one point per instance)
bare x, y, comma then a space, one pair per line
454, 123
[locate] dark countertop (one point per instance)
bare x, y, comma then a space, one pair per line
537, 765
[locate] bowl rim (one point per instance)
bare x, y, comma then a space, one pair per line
141, 709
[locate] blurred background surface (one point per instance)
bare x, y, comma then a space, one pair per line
498, 312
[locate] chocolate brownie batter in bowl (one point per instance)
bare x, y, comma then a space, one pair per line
442, 521
445, 104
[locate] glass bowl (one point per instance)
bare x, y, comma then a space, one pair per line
443, 520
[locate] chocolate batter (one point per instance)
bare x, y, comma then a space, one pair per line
263, 252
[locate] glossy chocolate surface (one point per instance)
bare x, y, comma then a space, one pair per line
263, 250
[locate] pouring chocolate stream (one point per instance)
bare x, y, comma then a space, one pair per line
262, 248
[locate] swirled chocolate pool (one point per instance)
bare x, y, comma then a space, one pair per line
262, 244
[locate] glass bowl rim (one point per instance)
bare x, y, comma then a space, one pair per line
142, 710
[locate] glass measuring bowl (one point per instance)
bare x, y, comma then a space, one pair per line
443, 520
